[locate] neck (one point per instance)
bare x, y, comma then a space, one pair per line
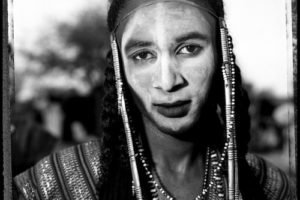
171, 152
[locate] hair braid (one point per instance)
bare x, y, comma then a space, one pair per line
113, 141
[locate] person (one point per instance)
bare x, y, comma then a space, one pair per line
175, 116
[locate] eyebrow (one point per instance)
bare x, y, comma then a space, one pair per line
134, 43
191, 35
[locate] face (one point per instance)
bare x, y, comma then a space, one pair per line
169, 58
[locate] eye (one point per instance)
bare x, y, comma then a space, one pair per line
190, 49
144, 55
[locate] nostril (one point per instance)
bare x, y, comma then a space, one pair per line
168, 84
178, 86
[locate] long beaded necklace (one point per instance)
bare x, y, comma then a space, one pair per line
215, 179
159, 185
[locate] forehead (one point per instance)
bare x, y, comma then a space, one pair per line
172, 18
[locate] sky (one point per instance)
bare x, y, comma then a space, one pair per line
257, 26
259, 35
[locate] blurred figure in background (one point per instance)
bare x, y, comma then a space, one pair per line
267, 133
82, 113
30, 140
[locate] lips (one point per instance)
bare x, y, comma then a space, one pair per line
173, 110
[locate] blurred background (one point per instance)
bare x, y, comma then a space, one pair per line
59, 51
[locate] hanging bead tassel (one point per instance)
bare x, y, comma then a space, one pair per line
116, 65
232, 80
229, 83
122, 110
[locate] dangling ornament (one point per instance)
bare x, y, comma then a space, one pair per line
228, 71
123, 112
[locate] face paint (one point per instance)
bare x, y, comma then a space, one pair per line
169, 57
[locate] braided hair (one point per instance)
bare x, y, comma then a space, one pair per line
114, 156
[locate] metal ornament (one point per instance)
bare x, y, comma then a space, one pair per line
228, 70
123, 112
116, 65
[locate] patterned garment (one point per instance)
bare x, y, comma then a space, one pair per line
275, 183
73, 173
69, 174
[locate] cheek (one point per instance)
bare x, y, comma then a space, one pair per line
199, 75
140, 82
136, 77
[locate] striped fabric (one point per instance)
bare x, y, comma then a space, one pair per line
274, 182
70, 174
73, 173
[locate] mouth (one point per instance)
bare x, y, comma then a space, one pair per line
173, 110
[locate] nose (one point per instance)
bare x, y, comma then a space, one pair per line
168, 76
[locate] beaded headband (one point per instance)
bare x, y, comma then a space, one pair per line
133, 6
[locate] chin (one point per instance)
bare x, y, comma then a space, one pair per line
175, 126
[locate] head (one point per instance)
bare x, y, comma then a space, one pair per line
169, 58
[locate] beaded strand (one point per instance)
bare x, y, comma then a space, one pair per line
159, 185
216, 174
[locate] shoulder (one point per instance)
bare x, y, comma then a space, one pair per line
72, 172
274, 181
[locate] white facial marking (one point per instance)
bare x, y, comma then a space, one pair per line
168, 55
